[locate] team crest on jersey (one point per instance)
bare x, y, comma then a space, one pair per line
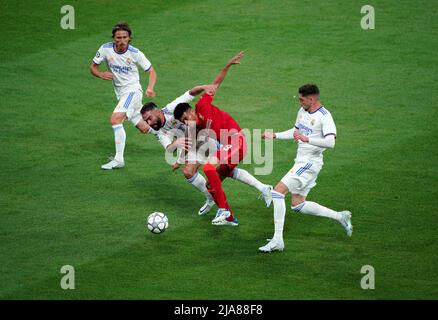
128, 61
312, 122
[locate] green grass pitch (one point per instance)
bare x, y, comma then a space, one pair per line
58, 208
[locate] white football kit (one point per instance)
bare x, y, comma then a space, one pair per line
309, 159
174, 128
126, 80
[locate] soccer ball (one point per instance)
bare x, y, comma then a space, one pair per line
157, 222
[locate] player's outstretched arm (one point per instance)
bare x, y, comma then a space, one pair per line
105, 75
152, 80
221, 76
286, 135
210, 89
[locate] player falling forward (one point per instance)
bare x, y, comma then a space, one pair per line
314, 131
122, 60
163, 122
232, 147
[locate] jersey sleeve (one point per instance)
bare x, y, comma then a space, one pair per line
143, 62
184, 98
204, 103
328, 125
100, 56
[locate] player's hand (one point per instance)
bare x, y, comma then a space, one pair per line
150, 93
106, 75
298, 136
235, 59
268, 135
175, 166
210, 89
183, 143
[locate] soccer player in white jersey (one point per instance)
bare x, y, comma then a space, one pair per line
123, 61
314, 131
163, 122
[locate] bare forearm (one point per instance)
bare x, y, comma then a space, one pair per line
152, 78
221, 76
94, 69
196, 90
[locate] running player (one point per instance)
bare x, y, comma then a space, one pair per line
123, 61
314, 131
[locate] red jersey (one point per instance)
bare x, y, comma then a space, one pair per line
211, 117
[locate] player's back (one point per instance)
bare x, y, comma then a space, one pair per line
215, 119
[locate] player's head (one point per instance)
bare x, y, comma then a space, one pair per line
153, 116
308, 95
184, 113
121, 35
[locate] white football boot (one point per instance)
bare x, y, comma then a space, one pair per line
225, 222
209, 203
346, 222
113, 164
273, 245
221, 215
267, 195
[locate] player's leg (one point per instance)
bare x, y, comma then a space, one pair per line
247, 178
301, 205
278, 194
215, 189
198, 181
117, 119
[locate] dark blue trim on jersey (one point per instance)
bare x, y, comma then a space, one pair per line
328, 134
95, 62
132, 49
321, 107
147, 70
296, 127
114, 48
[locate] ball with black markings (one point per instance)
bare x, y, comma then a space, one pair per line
157, 222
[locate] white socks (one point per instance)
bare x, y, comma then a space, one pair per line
246, 177
120, 140
199, 182
309, 207
279, 213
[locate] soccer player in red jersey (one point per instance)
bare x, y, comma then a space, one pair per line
222, 127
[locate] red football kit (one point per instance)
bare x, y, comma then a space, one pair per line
232, 150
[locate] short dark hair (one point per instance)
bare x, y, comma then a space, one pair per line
122, 26
148, 107
308, 90
180, 109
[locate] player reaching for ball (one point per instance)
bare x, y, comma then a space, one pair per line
222, 127
314, 131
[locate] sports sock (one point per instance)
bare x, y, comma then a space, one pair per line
313, 208
119, 139
216, 187
199, 182
279, 213
246, 177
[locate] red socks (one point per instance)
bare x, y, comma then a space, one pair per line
216, 187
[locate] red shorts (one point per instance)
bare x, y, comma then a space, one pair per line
231, 154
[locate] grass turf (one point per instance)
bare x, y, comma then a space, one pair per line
57, 207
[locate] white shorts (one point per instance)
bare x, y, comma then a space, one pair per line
302, 177
131, 104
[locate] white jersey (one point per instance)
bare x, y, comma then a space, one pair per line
318, 124
164, 135
123, 67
